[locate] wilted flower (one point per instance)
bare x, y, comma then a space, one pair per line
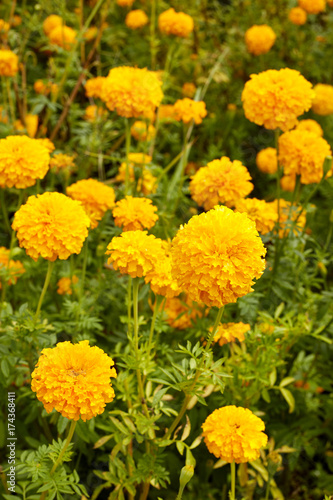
267, 160
259, 39
181, 312
175, 23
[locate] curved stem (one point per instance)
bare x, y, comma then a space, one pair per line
233, 481
46, 284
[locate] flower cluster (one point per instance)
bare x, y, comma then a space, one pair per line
45, 88
175, 23
62, 162
298, 16
134, 214
8, 63
187, 110
65, 285
312, 6
259, 39
267, 161
262, 213
230, 332
136, 19
74, 379
323, 100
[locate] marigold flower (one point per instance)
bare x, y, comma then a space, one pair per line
8, 63
63, 162
95, 197
312, 6
12, 268
22, 161
143, 132
323, 100
161, 279
230, 332
4, 27
234, 434
175, 23
188, 89
267, 161
216, 256
298, 16
303, 153
51, 22
45, 88
51, 225
140, 159
47, 144
63, 36
125, 3
94, 86
310, 126
259, 39
74, 379
92, 113
275, 98
181, 312
136, 19
147, 183
288, 183
167, 112
31, 125
187, 110
221, 181
65, 285
135, 253
134, 213
262, 213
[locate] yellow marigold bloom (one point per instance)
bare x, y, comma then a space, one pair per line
95, 197
51, 22
175, 23
74, 379
234, 434
293, 214
132, 92
62, 161
125, 3
63, 36
323, 100
262, 213
187, 110
312, 6
92, 113
51, 225
216, 256
135, 253
167, 112
181, 312
288, 183
275, 98
8, 63
90, 34
45, 88
134, 213
188, 89
65, 285
136, 19
31, 125
230, 332
94, 86
161, 279
22, 161
298, 16
310, 126
143, 132
259, 39
303, 153
140, 159
221, 181
13, 268
267, 161
47, 144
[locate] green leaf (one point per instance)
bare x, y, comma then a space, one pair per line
289, 398
5, 367
180, 446
286, 381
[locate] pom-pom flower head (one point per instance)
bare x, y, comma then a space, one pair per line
22, 161
134, 214
323, 100
51, 22
136, 19
187, 110
63, 36
312, 6
261, 212
267, 161
94, 86
310, 126
74, 379
297, 16
132, 92
175, 23
8, 63
141, 131
230, 332
216, 256
221, 181
51, 225
275, 98
259, 39
95, 197
234, 434
65, 285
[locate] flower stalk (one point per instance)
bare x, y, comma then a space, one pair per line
46, 284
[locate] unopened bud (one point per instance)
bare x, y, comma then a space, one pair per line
186, 475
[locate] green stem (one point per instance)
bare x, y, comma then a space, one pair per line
4, 210
152, 34
267, 488
129, 302
10, 100
84, 266
128, 144
233, 481
158, 300
46, 284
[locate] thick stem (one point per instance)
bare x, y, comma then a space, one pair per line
233, 481
46, 284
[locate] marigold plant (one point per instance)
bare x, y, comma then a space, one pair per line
51, 22
94, 86
14, 268
63, 36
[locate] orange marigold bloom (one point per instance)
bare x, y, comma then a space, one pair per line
63, 36
167, 112
216, 256
259, 39
221, 181
95, 197
47, 144
10, 269
275, 98
45, 88
51, 225
135, 253
161, 279
94, 86
8, 63
188, 89
262, 213
74, 379
132, 92
22, 161
175, 23
323, 100
92, 113
134, 213
125, 3
4, 27
63, 162
298, 16
181, 312
267, 161
312, 6
303, 153
141, 131
288, 183
230, 332
187, 110
65, 285
136, 19
51, 22
234, 434
310, 126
